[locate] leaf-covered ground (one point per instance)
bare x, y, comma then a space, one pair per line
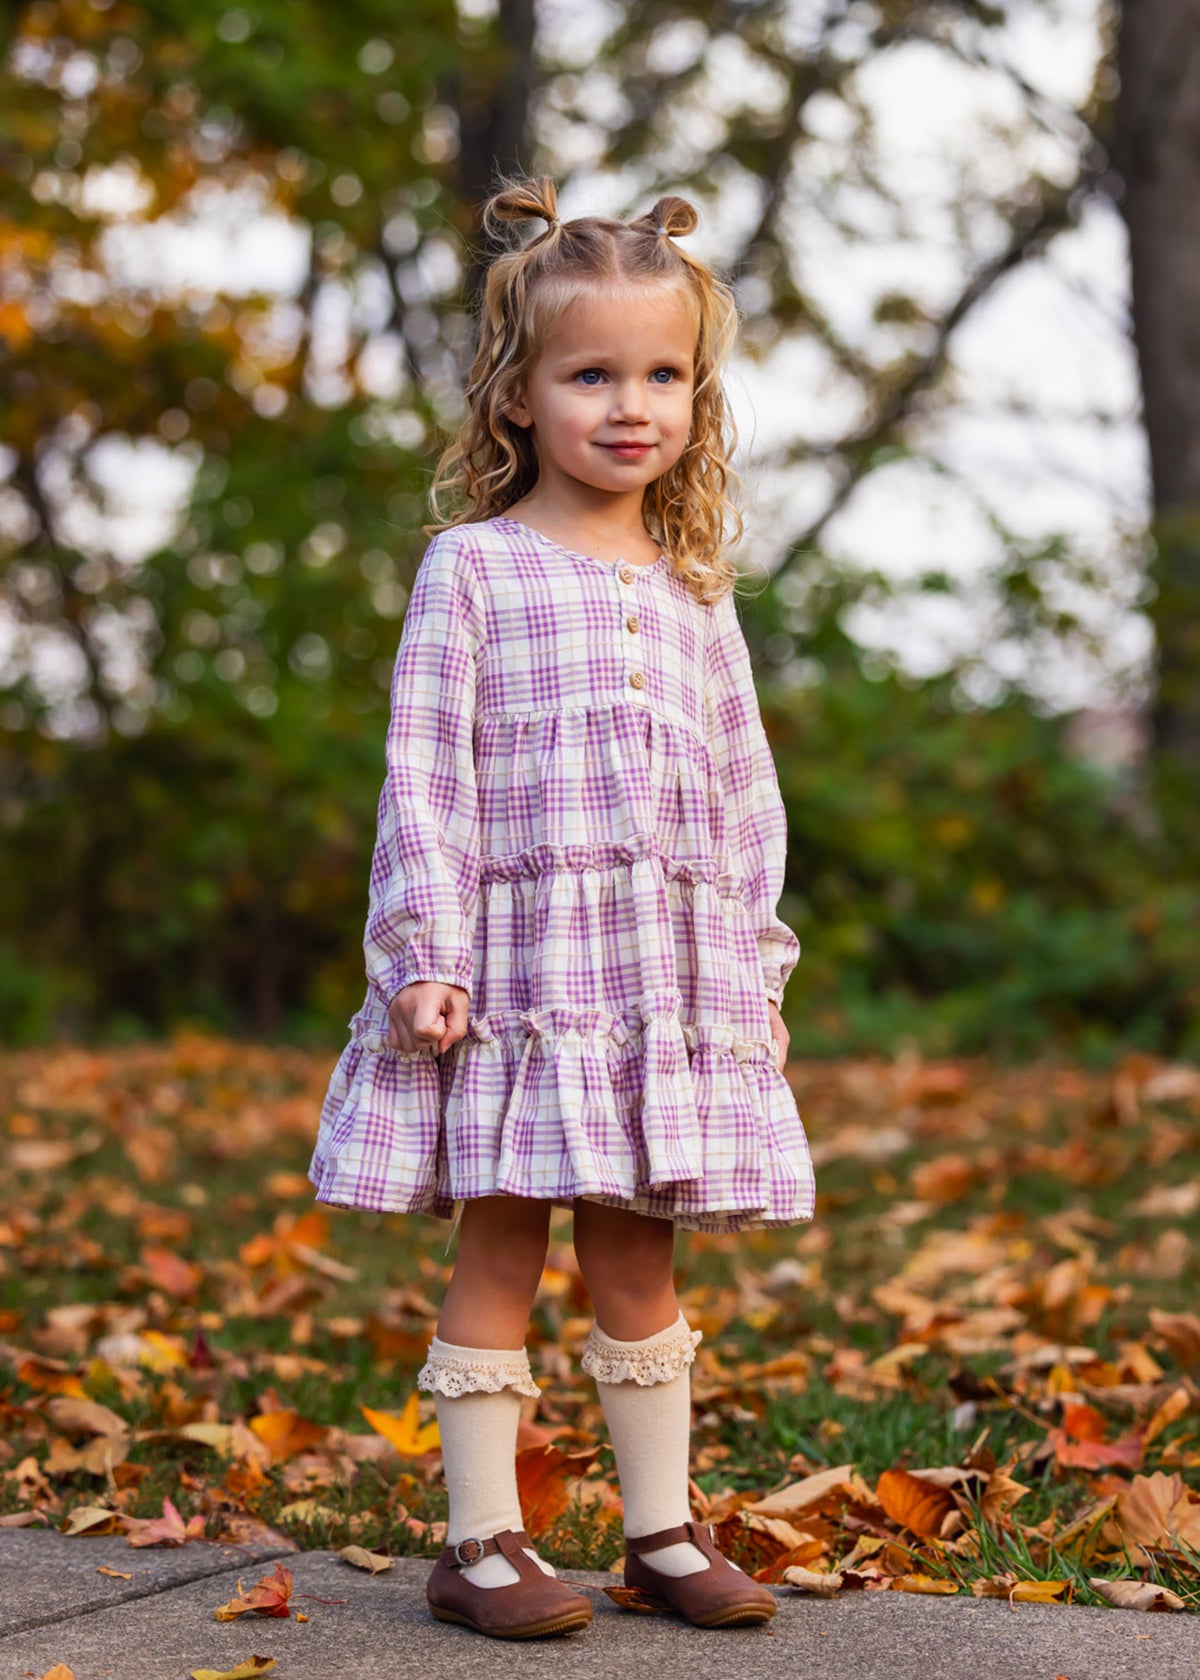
977, 1370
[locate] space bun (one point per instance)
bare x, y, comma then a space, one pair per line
671, 216
519, 201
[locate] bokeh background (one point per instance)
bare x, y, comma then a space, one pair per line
239, 248
238, 252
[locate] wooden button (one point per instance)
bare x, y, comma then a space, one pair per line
631, 624
626, 574
636, 679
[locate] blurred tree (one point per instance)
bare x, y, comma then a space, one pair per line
182, 728
192, 737
1155, 152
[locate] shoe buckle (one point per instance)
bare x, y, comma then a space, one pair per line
712, 1533
475, 1556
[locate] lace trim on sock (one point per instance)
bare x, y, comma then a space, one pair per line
482, 1371
657, 1359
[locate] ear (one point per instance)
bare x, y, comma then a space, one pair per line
513, 408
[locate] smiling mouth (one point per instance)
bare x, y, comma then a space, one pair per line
627, 448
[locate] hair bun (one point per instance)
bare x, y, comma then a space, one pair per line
517, 201
673, 216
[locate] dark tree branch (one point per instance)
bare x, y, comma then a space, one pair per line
1029, 236
74, 601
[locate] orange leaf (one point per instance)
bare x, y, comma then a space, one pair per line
407, 1433
311, 1229
1085, 1423
808, 1551
914, 1504
170, 1272
1094, 1455
245, 1479
1173, 1407
923, 1584
543, 1475
944, 1178
269, 1597
1038, 1592
286, 1433
50, 1376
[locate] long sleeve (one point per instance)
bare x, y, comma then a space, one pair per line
425, 868
756, 821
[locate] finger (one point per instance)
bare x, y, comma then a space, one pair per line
457, 1012
399, 1035
428, 1023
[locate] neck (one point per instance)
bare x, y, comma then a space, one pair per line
579, 508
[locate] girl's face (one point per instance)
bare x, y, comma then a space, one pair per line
609, 398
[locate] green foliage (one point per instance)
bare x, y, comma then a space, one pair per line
959, 880
962, 880
196, 842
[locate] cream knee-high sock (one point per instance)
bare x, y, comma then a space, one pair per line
645, 1390
477, 1421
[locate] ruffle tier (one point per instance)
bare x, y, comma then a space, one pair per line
621, 1052
680, 1120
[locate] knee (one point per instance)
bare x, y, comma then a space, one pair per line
629, 1275
504, 1244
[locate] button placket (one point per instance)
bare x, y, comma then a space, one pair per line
636, 678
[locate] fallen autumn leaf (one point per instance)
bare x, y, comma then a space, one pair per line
361, 1558
244, 1670
1136, 1595
269, 1597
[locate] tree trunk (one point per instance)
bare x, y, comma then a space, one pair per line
1157, 152
492, 99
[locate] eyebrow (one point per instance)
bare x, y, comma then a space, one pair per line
601, 359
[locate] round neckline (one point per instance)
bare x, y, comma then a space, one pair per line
574, 554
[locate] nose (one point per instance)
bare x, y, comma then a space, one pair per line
629, 402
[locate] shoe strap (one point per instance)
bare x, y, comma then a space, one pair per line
510, 1541
696, 1532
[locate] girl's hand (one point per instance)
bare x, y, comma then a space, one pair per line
427, 1013
779, 1033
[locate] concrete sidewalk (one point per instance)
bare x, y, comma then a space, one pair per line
159, 1625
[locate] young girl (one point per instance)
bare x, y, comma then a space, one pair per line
574, 958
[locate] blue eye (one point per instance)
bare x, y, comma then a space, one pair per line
669, 372
586, 374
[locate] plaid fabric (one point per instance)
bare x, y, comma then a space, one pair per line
581, 826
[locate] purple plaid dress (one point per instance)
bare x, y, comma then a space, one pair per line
581, 826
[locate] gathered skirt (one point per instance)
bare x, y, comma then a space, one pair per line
621, 1053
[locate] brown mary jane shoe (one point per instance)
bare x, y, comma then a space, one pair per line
716, 1597
536, 1604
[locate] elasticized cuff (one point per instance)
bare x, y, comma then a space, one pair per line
655, 1359
454, 1370
460, 977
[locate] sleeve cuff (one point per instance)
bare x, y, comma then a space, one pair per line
444, 976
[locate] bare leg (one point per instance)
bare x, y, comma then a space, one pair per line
501, 1254
628, 1262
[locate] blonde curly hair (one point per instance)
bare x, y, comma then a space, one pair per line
492, 462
